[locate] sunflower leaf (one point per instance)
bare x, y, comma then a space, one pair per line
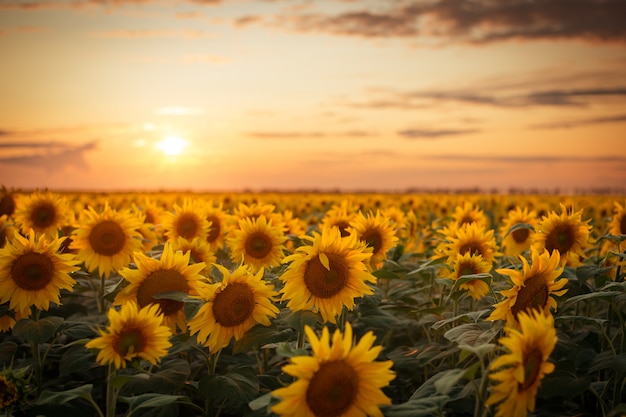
39, 331
232, 391
261, 335
593, 295
150, 400
57, 398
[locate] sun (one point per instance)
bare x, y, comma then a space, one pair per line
172, 145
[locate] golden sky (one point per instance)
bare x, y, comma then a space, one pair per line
301, 94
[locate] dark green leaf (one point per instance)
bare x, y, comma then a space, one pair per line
61, 397
235, 389
423, 407
76, 358
261, 335
563, 384
39, 331
150, 400
168, 378
590, 296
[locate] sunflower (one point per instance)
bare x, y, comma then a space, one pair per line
44, 212
200, 251
519, 372
218, 220
468, 264
133, 332
328, 274
469, 213
341, 379
106, 241
188, 221
566, 233
10, 317
340, 216
33, 273
617, 226
6, 230
519, 240
533, 287
7, 202
377, 232
171, 272
248, 211
294, 226
257, 243
469, 238
232, 307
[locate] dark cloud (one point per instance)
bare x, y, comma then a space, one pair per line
621, 118
434, 133
307, 135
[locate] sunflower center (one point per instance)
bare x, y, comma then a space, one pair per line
149, 217
622, 224
43, 215
214, 229
533, 295
466, 220
107, 238
233, 305
373, 239
472, 247
32, 271
158, 282
258, 245
7, 205
561, 239
532, 366
187, 226
130, 341
325, 283
466, 268
520, 235
333, 389
343, 227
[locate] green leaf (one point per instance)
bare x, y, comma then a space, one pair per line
606, 360
563, 384
298, 319
518, 226
472, 334
39, 331
288, 351
423, 407
150, 400
168, 378
448, 380
261, 335
233, 390
589, 296
76, 358
263, 401
385, 274
61, 397
119, 380
472, 315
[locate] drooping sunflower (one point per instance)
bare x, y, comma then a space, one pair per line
377, 232
533, 287
44, 212
327, 275
187, 221
106, 240
232, 307
258, 243
171, 272
33, 273
339, 379
566, 233
132, 332
519, 372
199, 251
469, 238
518, 240
468, 264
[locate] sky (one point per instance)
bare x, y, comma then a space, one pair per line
342, 95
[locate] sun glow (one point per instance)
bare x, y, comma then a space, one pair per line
172, 145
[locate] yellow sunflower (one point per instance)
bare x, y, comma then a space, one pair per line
7, 202
468, 264
132, 333
218, 223
6, 230
469, 213
340, 216
10, 317
377, 232
33, 273
339, 379
519, 372
232, 307
328, 274
566, 233
106, 240
188, 221
519, 240
171, 272
44, 212
257, 243
469, 238
533, 287
200, 251
248, 211
617, 225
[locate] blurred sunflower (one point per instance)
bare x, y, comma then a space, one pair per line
340, 216
533, 287
13, 383
218, 221
617, 225
132, 333
248, 211
44, 212
327, 275
33, 273
294, 226
6, 230
232, 307
469, 238
339, 379
566, 233
199, 251
187, 221
377, 232
8, 392
9, 317
468, 213
7, 202
518, 240
468, 264
257, 243
171, 272
519, 372
106, 240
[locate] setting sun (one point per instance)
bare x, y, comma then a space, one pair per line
172, 145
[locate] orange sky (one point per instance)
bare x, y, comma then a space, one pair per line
348, 95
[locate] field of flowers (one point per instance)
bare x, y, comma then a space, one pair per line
311, 304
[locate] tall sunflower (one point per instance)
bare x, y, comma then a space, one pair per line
44, 212
232, 307
199, 251
132, 332
533, 287
106, 240
566, 233
468, 264
328, 274
519, 372
33, 273
187, 221
171, 272
339, 379
469, 238
377, 232
518, 240
258, 243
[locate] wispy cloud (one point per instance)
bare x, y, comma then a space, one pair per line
620, 118
435, 133
308, 135
150, 33
49, 156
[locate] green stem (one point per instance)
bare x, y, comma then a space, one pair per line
101, 300
34, 346
111, 398
213, 361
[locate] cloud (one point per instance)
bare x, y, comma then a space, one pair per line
149, 33
50, 156
308, 135
434, 133
620, 118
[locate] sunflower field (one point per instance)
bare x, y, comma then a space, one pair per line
312, 304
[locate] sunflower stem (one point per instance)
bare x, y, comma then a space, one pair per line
213, 361
111, 397
100, 300
34, 346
